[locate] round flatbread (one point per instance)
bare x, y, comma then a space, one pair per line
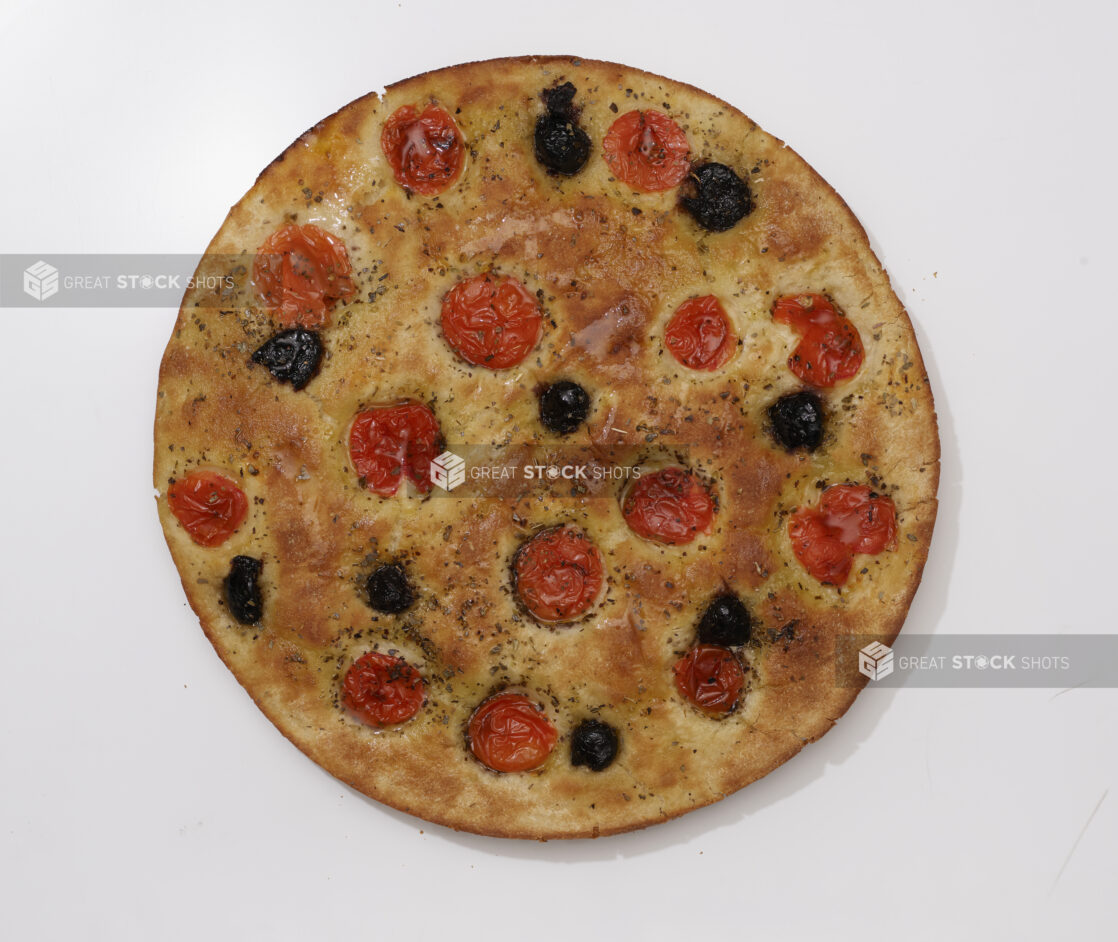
535, 266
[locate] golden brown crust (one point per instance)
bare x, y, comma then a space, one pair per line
610, 265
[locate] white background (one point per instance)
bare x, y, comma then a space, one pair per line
142, 796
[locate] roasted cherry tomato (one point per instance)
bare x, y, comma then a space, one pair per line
868, 523
390, 443
670, 506
383, 690
491, 320
850, 519
510, 733
558, 574
830, 347
426, 151
711, 677
299, 272
699, 334
208, 505
647, 150
821, 552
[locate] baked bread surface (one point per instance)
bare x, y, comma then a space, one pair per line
609, 266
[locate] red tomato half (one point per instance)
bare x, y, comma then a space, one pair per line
647, 150
390, 443
670, 506
491, 320
383, 690
510, 733
426, 151
299, 272
867, 524
821, 552
558, 574
830, 347
699, 334
847, 521
711, 677
208, 505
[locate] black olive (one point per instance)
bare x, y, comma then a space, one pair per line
561, 145
242, 590
560, 99
593, 744
291, 356
726, 622
389, 590
721, 197
564, 406
797, 420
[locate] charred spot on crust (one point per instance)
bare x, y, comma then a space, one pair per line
593, 744
564, 406
721, 198
291, 356
797, 420
389, 589
561, 145
242, 590
726, 622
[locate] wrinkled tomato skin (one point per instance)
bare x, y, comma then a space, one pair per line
710, 677
647, 151
208, 505
425, 150
491, 320
388, 444
699, 334
299, 272
850, 519
669, 506
820, 552
510, 733
558, 574
830, 348
382, 690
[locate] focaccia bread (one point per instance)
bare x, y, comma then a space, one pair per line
544, 263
